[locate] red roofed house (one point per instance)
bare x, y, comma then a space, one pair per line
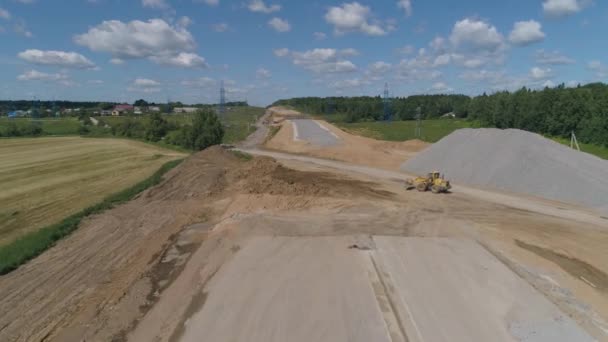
121, 109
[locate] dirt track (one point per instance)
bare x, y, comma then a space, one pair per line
153, 269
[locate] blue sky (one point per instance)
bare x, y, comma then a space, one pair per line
123, 50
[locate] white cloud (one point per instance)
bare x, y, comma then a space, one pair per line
321, 60
182, 60
34, 75
281, 52
212, 2
4, 14
159, 4
561, 8
279, 25
380, 67
353, 17
260, 7
526, 33
552, 57
438, 45
441, 87
56, 58
320, 35
476, 35
221, 27
144, 85
117, 61
154, 39
406, 5
442, 60
537, 73
96, 82
263, 74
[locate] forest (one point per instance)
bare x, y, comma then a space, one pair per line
556, 112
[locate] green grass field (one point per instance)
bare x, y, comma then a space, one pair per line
432, 130
599, 151
45, 180
50, 126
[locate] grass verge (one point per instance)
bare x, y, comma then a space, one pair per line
33, 244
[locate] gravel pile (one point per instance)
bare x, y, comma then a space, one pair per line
517, 161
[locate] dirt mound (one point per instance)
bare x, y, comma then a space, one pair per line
517, 161
265, 175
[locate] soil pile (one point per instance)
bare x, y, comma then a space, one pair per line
265, 175
517, 161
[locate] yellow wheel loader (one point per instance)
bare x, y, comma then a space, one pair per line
434, 182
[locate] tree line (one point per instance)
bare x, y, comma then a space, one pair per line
206, 130
557, 111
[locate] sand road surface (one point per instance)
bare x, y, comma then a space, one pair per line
388, 289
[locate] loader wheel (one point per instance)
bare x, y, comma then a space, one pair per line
435, 189
421, 187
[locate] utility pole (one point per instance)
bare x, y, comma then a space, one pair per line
387, 103
222, 106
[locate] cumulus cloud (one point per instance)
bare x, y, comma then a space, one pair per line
476, 35
154, 39
182, 60
526, 33
117, 61
20, 27
353, 17
537, 73
56, 58
441, 87
144, 85
406, 5
34, 75
260, 7
263, 74
279, 25
380, 67
321, 60
552, 58
561, 8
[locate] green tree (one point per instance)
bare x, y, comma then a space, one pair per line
157, 127
207, 130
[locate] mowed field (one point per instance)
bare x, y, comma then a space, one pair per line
44, 180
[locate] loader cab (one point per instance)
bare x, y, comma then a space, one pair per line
435, 175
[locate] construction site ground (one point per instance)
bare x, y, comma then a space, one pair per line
307, 248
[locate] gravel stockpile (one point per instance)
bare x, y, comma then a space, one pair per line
517, 161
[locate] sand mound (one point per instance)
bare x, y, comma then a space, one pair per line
517, 161
264, 175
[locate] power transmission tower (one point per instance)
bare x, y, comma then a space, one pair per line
418, 133
387, 104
